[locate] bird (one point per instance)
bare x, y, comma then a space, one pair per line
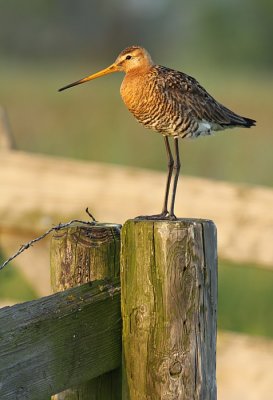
171, 103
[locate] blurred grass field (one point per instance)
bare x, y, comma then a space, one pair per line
90, 121
13, 285
245, 298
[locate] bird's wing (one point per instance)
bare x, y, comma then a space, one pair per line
194, 101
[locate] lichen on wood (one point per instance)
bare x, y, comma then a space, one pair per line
81, 254
63, 339
169, 301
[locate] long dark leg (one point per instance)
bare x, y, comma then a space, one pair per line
164, 213
176, 167
170, 172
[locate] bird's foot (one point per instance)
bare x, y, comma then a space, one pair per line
164, 215
172, 217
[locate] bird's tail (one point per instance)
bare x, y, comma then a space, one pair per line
238, 120
247, 122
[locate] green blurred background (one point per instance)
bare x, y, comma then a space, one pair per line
225, 44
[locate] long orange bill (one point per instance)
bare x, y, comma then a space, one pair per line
108, 70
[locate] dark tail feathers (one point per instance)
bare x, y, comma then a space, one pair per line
247, 122
237, 120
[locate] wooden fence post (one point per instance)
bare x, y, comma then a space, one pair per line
80, 254
6, 138
169, 302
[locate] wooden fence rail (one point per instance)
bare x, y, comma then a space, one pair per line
47, 190
59, 341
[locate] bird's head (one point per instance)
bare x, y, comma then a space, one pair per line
134, 58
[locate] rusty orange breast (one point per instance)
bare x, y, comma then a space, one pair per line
135, 91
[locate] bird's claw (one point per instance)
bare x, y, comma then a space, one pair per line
157, 217
172, 217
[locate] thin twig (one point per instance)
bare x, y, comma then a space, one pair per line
90, 215
54, 228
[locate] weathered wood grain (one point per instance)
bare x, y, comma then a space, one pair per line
81, 254
61, 340
169, 301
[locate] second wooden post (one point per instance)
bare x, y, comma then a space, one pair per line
169, 302
80, 254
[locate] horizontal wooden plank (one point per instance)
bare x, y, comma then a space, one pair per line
53, 343
6, 139
37, 191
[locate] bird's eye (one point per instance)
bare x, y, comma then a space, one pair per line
128, 57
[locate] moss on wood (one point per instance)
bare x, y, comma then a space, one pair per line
169, 298
59, 340
82, 254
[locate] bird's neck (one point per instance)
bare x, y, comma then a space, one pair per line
139, 70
